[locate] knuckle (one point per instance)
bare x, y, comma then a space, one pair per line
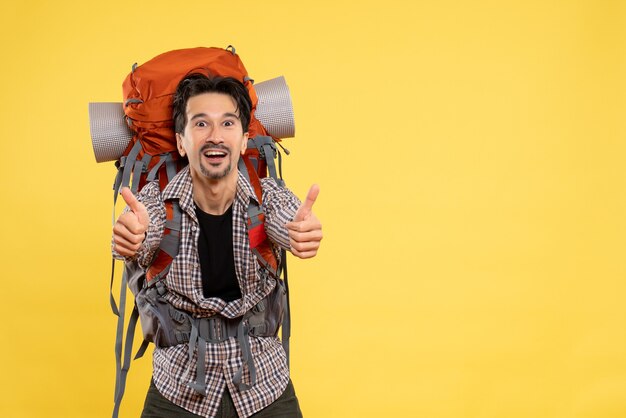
138, 239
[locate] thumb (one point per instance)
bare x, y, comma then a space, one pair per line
307, 206
136, 206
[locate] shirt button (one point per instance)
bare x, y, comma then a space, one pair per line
193, 228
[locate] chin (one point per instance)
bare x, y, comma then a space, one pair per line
215, 174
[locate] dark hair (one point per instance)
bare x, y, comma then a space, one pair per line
196, 83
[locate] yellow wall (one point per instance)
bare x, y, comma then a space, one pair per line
471, 163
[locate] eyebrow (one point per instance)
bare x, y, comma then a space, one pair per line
204, 115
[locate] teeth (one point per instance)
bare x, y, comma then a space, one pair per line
214, 153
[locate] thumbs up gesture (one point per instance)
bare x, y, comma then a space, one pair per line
305, 231
130, 229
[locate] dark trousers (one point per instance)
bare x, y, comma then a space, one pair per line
157, 406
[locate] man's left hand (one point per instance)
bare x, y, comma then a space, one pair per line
305, 231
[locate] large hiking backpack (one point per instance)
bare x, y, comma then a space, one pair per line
142, 142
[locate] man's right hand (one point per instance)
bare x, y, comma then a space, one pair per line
130, 229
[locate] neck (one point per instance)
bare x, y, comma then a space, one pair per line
214, 196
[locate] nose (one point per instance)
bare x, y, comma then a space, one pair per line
215, 135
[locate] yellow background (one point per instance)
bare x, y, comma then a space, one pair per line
471, 163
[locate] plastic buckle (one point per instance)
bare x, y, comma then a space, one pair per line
160, 288
259, 307
212, 329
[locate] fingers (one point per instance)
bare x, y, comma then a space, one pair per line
305, 237
304, 255
312, 235
124, 247
130, 229
128, 234
305, 245
136, 206
305, 231
306, 249
311, 224
126, 231
128, 221
306, 207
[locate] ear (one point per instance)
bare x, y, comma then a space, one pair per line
244, 145
179, 145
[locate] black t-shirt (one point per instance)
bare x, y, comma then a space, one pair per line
215, 250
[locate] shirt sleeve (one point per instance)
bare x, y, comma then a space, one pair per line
150, 196
279, 206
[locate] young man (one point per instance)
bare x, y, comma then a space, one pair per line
215, 273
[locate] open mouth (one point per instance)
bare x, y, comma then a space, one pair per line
215, 155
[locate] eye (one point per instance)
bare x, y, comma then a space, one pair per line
201, 124
229, 123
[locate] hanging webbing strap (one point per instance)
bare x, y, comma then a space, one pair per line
246, 357
286, 325
213, 330
119, 335
117, 184
112, 299
121, 370
195, 342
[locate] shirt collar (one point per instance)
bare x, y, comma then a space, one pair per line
245, 192
181, 188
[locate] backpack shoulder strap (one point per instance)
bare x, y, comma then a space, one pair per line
259, 243
168, 249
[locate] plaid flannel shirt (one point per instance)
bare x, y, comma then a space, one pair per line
172, 368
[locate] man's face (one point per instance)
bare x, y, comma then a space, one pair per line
213, 138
